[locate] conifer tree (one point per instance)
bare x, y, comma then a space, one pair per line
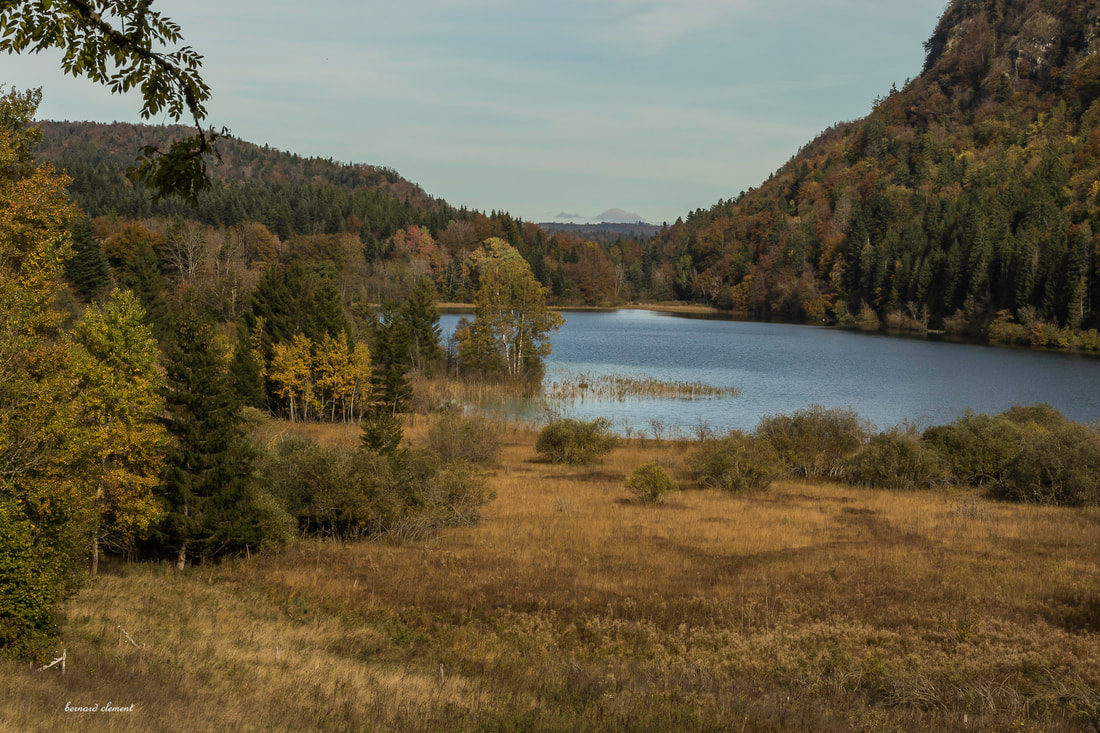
206, 493
390, 358
246, 371
421, 323
87, 267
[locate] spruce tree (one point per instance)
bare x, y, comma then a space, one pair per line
87, 266
421, 324
389, 353
246, 372
206, 492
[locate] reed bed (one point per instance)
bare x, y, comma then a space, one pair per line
622, 387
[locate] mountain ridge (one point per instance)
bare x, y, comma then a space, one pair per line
966, 199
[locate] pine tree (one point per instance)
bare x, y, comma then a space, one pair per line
246, 372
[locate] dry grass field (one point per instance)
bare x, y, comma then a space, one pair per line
809, 607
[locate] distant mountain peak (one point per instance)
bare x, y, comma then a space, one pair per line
618, 216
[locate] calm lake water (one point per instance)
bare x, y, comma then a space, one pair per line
782, 367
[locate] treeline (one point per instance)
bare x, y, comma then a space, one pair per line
374, 227
968, 197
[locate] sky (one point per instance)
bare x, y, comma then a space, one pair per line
541, 108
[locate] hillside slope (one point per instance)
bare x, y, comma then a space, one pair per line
967, 198
288, 193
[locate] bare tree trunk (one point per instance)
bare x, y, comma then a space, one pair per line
95, 555
181, 559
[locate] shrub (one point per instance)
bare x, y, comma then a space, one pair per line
815, 440
1040, 413
457, 437
347, 494
1005, 330
458, 491
277, 528
895, 460
650, 482
975, 448
1057, 466
867, 320
736, 463
576, 442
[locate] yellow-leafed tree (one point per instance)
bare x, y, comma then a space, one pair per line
119, 405
292, 372
43, 509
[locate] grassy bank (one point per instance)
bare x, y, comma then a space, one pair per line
812, 606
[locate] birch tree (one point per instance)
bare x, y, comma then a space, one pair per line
511, 327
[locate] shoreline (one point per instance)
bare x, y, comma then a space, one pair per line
679, 308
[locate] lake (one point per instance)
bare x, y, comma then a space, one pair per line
782, 367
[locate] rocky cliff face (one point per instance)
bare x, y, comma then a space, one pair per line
1041, 43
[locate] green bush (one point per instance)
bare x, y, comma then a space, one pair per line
1040, 413
457, 437
38, 571
1055, 466
277, 527
975, 448
978, 448
347, 494
457, 493
895, 460
815, 440
576, 442
736, 463
650, 483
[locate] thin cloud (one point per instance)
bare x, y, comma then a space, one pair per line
657, 23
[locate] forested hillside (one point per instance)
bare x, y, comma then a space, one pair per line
373, 229
967, 200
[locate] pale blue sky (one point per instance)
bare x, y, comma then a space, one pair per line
657, 107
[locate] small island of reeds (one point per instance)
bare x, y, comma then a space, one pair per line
621, 387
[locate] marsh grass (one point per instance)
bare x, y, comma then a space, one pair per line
813, 606
621, 387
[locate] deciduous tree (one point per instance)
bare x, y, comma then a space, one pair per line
43, 511
511, 321
119, 404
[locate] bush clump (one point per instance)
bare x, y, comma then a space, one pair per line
1056, 466
976, 448
896, 459
815, 440
456, 437
576, 442
736, 463
349, 494
650, 482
